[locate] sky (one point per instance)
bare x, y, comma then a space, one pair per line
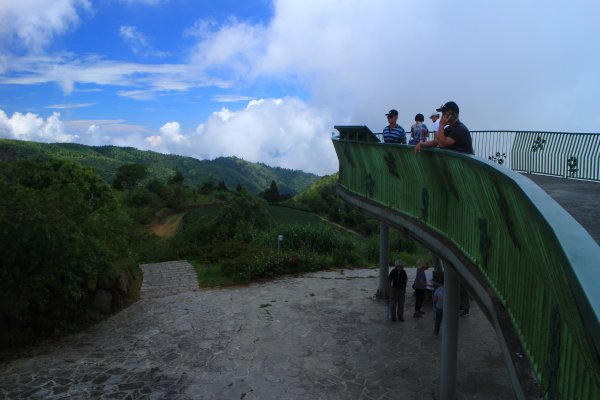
267, 81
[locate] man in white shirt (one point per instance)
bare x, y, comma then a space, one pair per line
435, 116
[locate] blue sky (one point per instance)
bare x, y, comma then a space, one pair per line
267, 80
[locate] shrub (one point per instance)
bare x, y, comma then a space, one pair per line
269, 263
319, 238
343, 258
60, 226
239, 220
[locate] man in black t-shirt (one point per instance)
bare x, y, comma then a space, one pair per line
397, 283
452, 134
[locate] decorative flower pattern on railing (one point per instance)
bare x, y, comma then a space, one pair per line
572, 165
390, 161
538, 144
498, 158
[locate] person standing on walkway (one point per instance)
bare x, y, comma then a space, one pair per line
438, 303
397, 284
452, 133
418, 131
420, 286
393, 133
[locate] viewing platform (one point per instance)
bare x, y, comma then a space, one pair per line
529, 264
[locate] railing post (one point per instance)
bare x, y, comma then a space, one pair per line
449, 334
384, 256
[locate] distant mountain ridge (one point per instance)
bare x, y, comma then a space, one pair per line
255, 177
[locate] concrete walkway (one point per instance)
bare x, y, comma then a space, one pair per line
579, 198
316, 336
167, 278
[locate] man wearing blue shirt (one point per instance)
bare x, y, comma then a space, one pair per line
393, 133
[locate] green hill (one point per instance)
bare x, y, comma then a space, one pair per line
255, 177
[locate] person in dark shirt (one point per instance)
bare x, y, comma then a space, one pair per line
397, 283
452, 134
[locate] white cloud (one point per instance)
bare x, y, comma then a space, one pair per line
145, 79
255, 102
31, 25
278, 132
233, 48
140, 43
172, 132
94, 136
107, 132
138, 94
170, 140
505, 63
68, 106
33, 127
500, 58
93, 129
224, 114
230, 98
155, 141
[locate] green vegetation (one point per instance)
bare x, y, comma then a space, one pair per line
71, 241
322, 199
106, 160
62, 232
283, 214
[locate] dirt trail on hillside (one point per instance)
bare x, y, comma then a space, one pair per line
168, 227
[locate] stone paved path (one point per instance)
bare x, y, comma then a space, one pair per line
167, 278
317, 336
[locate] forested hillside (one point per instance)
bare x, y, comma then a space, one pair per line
233, 171
72, 240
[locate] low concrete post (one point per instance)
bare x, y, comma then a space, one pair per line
384, 258
449, 334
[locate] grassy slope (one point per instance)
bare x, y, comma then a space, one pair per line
324, 183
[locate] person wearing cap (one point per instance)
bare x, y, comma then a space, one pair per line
435, 116
418, 131
452, 133
397, 284
393, 133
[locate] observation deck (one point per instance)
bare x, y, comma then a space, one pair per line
530, 265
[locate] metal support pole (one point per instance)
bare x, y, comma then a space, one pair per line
384, 257
449, 334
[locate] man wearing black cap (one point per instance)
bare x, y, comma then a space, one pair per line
397, 284
393, 133
452, 134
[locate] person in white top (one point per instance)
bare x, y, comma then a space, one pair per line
435, 116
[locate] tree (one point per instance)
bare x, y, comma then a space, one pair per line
176, 179
60, 225
222, 186
155, 186
272, 193
129, 176
207, 186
